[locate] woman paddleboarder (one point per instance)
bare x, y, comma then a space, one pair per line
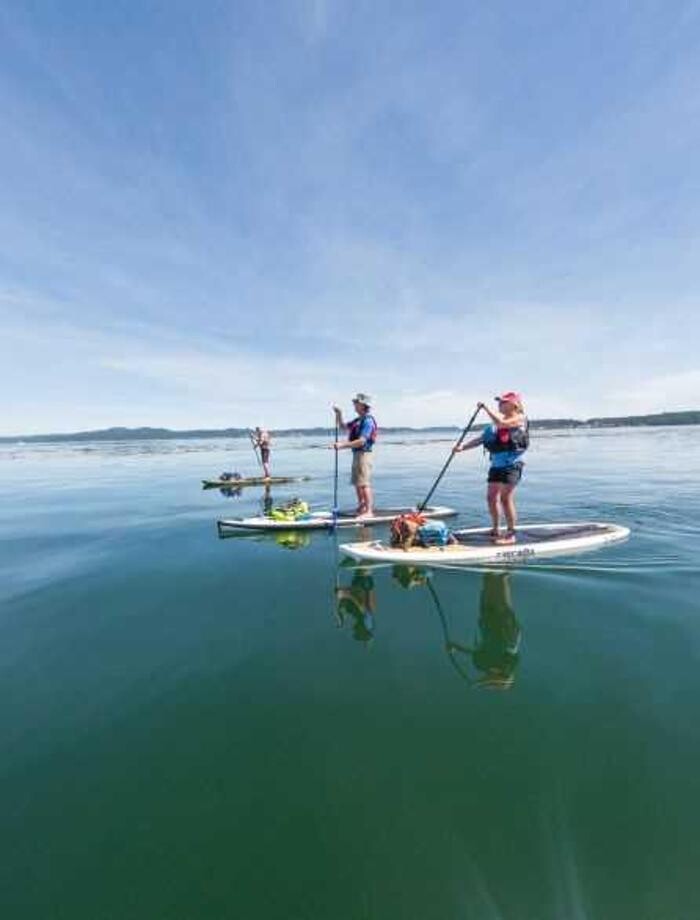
506, 440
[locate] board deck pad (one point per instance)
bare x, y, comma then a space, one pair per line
324, 520
533, 535
476, 545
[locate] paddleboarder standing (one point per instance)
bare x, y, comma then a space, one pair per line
362, 434
506, 440
261, 439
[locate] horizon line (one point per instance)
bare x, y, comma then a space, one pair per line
235, 431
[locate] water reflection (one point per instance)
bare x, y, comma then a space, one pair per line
355, 605
289, 539
232, 491
490, 660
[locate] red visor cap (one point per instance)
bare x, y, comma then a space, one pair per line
511, 397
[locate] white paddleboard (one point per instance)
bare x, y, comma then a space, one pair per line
323, 520
475, 545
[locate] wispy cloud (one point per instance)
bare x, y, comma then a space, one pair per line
335, 197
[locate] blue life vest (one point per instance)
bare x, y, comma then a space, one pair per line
355, 427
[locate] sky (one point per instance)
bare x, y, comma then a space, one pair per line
237, 213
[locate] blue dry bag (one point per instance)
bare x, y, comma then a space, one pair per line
433, 533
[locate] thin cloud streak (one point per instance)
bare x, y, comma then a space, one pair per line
314, 192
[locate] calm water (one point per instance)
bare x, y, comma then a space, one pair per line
201, 728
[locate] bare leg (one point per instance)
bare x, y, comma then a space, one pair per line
507, 499
266, 468
366, 498
492, 494
508, 502
360, 500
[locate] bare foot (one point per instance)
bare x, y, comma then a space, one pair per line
505, 540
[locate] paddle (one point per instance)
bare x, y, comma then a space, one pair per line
335, 477
450, 647
449, 459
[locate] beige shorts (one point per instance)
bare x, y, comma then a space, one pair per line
361, 474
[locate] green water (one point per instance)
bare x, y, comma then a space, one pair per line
204, 728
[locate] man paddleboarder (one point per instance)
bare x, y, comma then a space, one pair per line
362, 434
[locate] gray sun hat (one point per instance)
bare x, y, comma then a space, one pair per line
363, 398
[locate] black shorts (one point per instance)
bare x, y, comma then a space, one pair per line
265, 454
507, 475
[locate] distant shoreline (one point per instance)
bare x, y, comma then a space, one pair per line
166, 434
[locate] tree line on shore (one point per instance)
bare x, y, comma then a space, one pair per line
153, 434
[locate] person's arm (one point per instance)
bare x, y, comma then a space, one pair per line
339, 417
475, 442
365, 431
357, 442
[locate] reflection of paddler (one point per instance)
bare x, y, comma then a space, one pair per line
358, 602
496, 653
267, 500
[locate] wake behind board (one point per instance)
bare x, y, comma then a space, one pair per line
475, 545
251, 481
323, 520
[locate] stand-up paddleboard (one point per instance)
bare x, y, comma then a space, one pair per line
251, 481
476, 545
324, 520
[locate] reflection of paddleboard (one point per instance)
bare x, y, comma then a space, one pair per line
251, 481
323, 520
475, 545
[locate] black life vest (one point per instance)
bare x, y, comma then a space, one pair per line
509, 439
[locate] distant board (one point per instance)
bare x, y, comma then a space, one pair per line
324, 520
251, 481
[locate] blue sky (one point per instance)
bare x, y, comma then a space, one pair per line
228, 213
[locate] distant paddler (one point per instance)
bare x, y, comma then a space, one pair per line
362, 434
261, 440
506, 440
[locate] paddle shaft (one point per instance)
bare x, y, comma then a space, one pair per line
449, 459
450, 646
335, 475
